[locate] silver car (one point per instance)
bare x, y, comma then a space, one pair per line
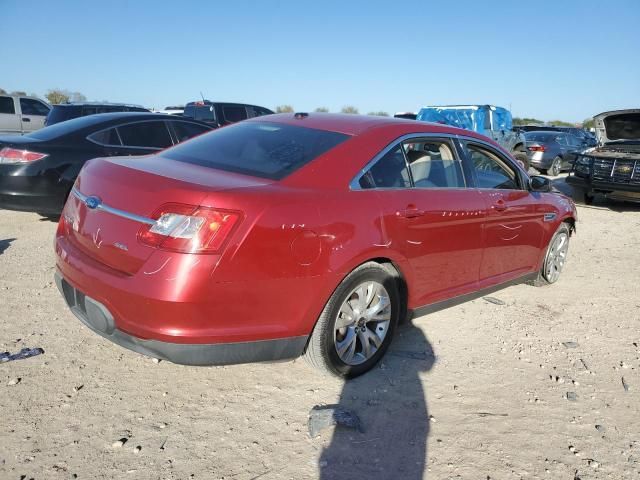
552, 152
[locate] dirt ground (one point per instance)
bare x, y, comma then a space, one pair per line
545, 386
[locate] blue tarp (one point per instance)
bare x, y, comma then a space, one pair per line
473, 117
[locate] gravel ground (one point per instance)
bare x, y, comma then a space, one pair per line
545, 385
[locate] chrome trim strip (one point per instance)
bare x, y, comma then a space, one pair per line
114, 211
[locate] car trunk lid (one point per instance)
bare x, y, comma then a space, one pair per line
113, 198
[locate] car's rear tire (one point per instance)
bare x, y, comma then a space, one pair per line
357, 324
554, 258
556, 167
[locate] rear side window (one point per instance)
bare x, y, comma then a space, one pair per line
145, 134
433, 164
206, 113
187, 130
267, 150
33, 107
388, 172
6, 105
234, 114
106, 137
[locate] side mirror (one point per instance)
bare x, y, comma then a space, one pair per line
539, 184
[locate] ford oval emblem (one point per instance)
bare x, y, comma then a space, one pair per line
92, 202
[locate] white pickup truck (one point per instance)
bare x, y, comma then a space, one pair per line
21, 114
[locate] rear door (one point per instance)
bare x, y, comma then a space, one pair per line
9, 119
429, 215
34, 113
513, 227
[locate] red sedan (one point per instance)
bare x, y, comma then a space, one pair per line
305, 234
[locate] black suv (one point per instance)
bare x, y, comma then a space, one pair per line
219, 114
67, 111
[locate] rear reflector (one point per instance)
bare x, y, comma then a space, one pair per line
189, 229
13, 155
537, 148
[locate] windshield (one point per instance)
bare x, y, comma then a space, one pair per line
261, 149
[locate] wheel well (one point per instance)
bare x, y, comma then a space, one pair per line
517, 147
572, 224
394, 270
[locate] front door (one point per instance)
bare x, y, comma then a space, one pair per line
513, 227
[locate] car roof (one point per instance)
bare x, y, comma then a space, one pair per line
358, 124
94, 104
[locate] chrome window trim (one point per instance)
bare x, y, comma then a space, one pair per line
131, 146
113, 211
354, 185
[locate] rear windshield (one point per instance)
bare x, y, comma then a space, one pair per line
261, 149
64, 128
540, 136
59, 114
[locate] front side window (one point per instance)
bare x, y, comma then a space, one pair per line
433, 164
388, 172
145, 134
33, 107
491, 171
6, 105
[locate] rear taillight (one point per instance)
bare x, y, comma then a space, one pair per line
189, 229
13, 155
537, 148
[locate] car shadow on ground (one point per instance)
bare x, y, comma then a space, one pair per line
6, 243
600, 202
392, 407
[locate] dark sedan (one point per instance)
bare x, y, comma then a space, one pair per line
552, 152
37, 170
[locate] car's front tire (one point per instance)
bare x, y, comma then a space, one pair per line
555, 257
357, 324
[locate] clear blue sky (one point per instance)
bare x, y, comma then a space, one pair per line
545, 59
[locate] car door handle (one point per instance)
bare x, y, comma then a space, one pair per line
410, 212
26, 119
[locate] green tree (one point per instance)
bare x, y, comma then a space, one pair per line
55, 95
527, 121
349, 109
77, 97
284, 109
321, 110
588, 124
379, 114
561, 123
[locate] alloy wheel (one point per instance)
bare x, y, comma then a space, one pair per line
556, 257
362, 323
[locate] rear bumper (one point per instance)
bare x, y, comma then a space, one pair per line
42, 194
98, 318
